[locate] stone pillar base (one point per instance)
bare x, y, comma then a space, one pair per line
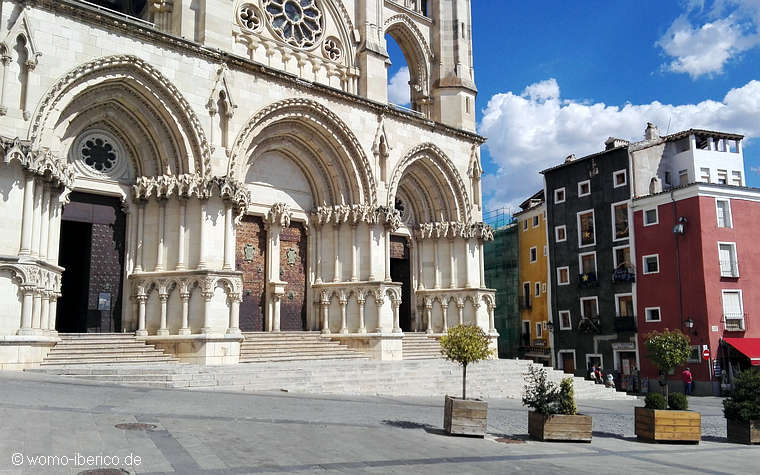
378, 346
201, 349
22, 352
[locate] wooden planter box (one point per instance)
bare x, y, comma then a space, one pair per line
670, 426
743, 432
465, 416
575, 428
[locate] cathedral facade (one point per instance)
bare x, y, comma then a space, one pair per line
189, 171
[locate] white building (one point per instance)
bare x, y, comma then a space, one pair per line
187, 170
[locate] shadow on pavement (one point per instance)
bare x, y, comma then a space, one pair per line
612, 435
415, 425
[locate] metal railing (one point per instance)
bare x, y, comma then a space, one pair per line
499, 217
624, 274
735, 321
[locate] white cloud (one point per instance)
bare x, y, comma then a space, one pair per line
398, 87
721, 33
536, 129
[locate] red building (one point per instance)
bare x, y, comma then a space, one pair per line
698, 269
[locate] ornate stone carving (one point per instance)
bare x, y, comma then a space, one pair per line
249, 17
481, 231
41, 163
279, 214
298, 23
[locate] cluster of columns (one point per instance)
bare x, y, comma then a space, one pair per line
454, 281
38, 311
361, 299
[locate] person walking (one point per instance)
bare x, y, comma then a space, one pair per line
688, 381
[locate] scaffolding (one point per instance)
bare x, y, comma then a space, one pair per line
499, 218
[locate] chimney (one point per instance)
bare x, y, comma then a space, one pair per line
614, 142
651, 133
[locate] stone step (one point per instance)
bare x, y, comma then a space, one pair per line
89, 361
107, 350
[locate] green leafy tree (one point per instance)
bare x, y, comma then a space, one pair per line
465, 344
545, 397
744, 403
667, 350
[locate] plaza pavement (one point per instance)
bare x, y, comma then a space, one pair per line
234, 433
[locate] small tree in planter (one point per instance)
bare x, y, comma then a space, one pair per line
465, 344
742, 409
554, 415
667, 350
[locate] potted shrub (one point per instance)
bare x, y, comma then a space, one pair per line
465, 344
554, 415
742, 409
666, 417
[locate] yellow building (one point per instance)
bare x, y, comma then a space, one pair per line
533, 252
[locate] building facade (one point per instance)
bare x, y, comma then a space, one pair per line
501, 261
203, 170
535, 343
592, 279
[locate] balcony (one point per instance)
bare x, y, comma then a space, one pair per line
624, 274
588, 280
590, 324
729, 268
735, 322
625, 323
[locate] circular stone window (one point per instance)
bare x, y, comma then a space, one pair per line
98, 153
297, 22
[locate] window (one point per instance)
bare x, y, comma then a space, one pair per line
624, 305
704, 175
620, 220
733, 310
539, 330
589, 307
565, 323
722, 177
563, 275
650, 217
667, 178
525, 225
586, 233
587, 263
723, 209
535, 221
683, 177
538, 289
526, 333
546, 251
560, 233
652, 314
696, 354
621, 256
736, 178
584, 188
559, 195
651, 264
619, 178
526, 295
729, 267
533, 254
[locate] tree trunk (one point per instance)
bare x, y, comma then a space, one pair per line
464, 381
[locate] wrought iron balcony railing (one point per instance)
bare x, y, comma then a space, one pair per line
624, 274
625, 323
735, 321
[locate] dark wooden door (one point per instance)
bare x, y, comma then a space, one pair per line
401, 272
568, 363
250, 259
293, 271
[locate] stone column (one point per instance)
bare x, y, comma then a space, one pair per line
163, 330
445, 310
6, 60
141, 331
396, 325
452, 265
228, 244
26, 310
361, 300
370, 249
202, 236
234, 326
343, 303
37, 221
185, 298
436, 265
318, 252
468, 281
387, 255
45, 230
337, 271
460, 311
207, 295
161, 241
55, 229
481, 267
140, 236
28, 215
420, 266
491, 319
325, 315
45, 312
181, 234
52, 313
429, 315
354, 249
276, 308
36, 311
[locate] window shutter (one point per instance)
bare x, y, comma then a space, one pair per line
721, 214
732, 304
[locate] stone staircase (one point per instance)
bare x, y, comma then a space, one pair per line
419, 378
103, 348
419, 346
293, 346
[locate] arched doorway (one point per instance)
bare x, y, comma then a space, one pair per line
93, 230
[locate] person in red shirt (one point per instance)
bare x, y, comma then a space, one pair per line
688, 381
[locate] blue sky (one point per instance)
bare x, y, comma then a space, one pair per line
556, 78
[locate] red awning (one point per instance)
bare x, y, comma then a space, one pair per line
750, 347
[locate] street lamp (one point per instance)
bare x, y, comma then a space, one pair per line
689, 323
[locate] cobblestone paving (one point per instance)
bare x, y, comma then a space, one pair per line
228, 433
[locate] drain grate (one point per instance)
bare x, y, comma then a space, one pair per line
135, 426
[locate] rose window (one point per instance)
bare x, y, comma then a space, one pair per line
99, 154
248, 17
297, 22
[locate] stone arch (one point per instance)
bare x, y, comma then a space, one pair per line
141, 85
418, 57
302, 122
437, 181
